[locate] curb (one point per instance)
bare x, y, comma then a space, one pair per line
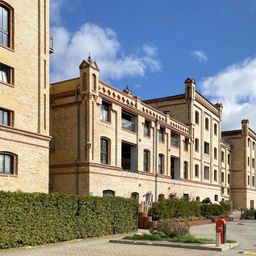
209, 247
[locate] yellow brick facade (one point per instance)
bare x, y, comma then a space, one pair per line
27, 97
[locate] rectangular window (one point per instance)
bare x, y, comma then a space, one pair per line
105, 111
146, 160
206, 124
206, 172
161, 164
229, 159
222, 176
6, 117
253, 181
206, 148
196, 117
186, 143
129, 157
104, 151
128, 121
161, 134
186, 197
215, 153
228, 178
253, 163
147, 126
6, 74
215, 129
222, 156
248, 160
175, 140
6, 163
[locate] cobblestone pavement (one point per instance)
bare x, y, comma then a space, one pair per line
244, 232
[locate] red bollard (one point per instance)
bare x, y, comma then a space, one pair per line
220, 228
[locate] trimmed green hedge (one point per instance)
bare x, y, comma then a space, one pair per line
37, 218
180, 208
174, 208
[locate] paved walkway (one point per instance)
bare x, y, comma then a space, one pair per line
243, 231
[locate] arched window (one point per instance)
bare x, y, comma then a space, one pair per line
215, 175
185, 170
135, 195
198, 198
215, 153
196, 144
6, 23
104, 150
196, 117
109, 192
206, 123
196, 170
215, 129
94, 82
161, 163
8, 163
146, 162
160, 197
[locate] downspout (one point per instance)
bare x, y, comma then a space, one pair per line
156, 160
78, 141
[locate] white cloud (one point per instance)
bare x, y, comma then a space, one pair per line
199, 55
104, 48
235, 87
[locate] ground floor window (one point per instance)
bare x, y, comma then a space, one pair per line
7, 163
109, 192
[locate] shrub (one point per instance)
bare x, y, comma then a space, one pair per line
37, 218
174, 208
173, 228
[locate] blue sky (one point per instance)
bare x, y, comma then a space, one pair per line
153, 46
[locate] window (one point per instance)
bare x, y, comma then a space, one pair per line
248, 160
253, 145
161, 134
105, 111
104, 150
6, 74
228, 178
196, 170
94, 82
215, 129
222, 156
249, 142
7, 163
206, 124
206, 148
128, 121
215, 153
146, 160
215, 175
197, 145
135, 195
206, 172
222, 176
253, 181
253, 163
6, 117
248, 180
185, 170
222, 190
228, 158
228, 191
186, 143
196, 117
147, 128
5, 25
198, 199
216, 198
186, 197
161, 163
175, 140
108, 192
129, 157
160, 197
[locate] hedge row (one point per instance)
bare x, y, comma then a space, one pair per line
180, 208
37, 218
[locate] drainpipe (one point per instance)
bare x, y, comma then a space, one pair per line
156, 160
78, 141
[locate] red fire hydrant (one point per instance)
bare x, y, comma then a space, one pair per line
220, 231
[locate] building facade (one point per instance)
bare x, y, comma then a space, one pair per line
243, 191
110, 142
24, 95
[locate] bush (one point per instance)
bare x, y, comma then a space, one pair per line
37, 218
174, 208
173, 228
